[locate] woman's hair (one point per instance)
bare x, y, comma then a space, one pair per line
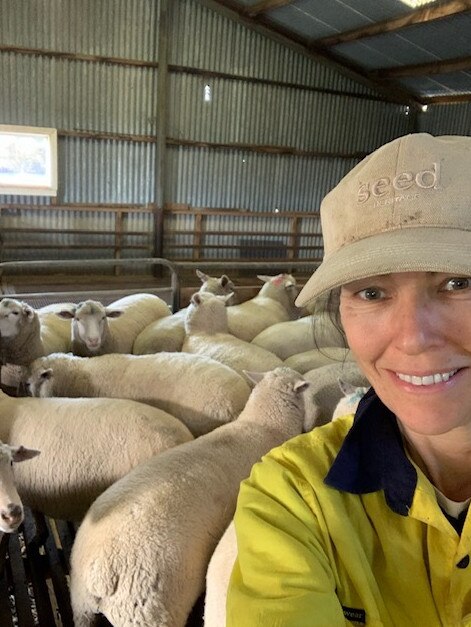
329, 306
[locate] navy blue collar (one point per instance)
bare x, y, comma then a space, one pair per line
372, 457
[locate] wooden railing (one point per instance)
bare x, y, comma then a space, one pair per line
259, 243
192, 238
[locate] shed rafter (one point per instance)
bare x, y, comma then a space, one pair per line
459, 64
265, 5
420, 16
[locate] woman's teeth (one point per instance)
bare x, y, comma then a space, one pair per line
430, 379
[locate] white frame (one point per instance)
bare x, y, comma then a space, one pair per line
42, 183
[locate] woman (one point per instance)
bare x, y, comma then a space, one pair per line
364, 520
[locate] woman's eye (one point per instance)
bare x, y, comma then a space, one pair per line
457, 283
371, 293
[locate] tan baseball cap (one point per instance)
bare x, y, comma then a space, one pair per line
406, 207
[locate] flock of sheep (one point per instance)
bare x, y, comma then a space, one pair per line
146, 423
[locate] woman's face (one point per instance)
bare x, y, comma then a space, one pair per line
410, 333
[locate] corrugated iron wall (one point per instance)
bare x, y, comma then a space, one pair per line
317, 110
446, 120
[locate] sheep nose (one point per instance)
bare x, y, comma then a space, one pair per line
12, 514
93, 341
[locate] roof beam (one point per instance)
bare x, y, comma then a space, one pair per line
459, 64
420, 16
265, 5
452, 99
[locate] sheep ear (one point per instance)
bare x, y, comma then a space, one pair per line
300, 385
67, 314
28, 311
21, 453
264, 277
46, 374
346, 387
254, 377
113, 313
202, 276
196, 299
224, 280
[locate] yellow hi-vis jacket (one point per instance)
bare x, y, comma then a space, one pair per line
339, 527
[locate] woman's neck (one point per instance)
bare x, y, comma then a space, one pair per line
445, 459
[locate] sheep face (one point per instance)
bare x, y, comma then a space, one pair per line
90, 324
14, 314
11, 508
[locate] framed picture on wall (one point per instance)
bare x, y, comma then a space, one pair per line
28, 160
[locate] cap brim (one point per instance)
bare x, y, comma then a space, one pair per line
419, 249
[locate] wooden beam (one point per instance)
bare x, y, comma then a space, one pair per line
420, 16
452, 99
265, 5
459, 64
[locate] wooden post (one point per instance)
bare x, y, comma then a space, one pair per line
118, 239
161, 157
197, 238
293, 240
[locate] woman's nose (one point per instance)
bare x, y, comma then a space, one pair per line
417, 325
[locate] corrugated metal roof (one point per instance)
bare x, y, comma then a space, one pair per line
307, 22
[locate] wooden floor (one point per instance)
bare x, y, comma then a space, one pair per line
34, 576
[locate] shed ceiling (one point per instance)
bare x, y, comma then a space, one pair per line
415, 56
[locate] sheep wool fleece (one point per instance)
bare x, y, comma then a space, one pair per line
359, 536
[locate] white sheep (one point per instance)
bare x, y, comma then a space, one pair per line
352, 395
273, 303
141, 554
167, 334
86, 445
325, 387
201, 392
20, 333
207, 334
297, 336
93, 334
217, 578
11, 507
317, 357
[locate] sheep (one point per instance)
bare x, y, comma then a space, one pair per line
352, 395
167, 334
217, 285
142, 551
274, 303
207, 334
217, 578
25, 334
325, 388
20, 333
314, 358
201, 392
11, 507
86, 445
297, 336
92, 334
